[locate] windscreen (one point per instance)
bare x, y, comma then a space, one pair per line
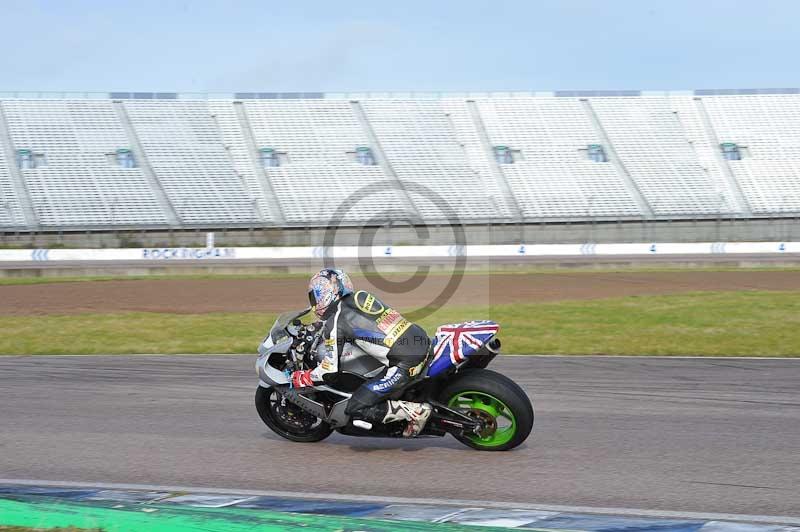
278, 331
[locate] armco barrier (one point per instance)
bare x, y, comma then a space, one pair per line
387, 252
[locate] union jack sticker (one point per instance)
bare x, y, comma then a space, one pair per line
460, 340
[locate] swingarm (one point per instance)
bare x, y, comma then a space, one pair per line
446, 419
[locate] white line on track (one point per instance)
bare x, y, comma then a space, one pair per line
771, 519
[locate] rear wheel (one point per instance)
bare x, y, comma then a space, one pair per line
501, 406
287, 419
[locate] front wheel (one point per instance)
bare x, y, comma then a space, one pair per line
498, 402
289, 420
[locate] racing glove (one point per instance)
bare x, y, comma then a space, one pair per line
301, 379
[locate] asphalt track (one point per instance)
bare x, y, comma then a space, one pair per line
692, 435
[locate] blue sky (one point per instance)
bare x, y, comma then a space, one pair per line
310, 45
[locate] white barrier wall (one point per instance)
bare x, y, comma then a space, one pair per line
385, 252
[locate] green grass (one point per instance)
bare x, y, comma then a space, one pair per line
747, 323
709, 324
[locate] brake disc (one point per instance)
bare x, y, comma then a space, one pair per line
295, 416
487, 421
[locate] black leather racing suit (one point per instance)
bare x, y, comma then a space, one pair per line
362, 320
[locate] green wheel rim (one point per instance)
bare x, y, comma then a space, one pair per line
506, 422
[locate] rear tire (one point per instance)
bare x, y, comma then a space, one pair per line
300, 430
490, 396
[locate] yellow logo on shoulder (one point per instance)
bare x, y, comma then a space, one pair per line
367, 303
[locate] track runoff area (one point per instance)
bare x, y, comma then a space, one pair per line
619, 442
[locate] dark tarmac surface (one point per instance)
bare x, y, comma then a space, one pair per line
703, 435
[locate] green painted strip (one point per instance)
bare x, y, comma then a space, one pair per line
160, 518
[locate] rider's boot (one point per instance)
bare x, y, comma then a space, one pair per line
416, 414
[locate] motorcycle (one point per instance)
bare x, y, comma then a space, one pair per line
481, 408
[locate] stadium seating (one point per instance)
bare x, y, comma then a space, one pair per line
477, 157
185, 150
419, 143
10, 209
235, 143
655, 151
80, 185
317, 141
553, 178
768, 127
705, 146
155, 160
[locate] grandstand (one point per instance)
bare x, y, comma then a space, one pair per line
158, 161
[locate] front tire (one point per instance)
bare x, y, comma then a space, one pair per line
288, 420
497, 401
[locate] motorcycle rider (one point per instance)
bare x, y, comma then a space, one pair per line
361, 320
